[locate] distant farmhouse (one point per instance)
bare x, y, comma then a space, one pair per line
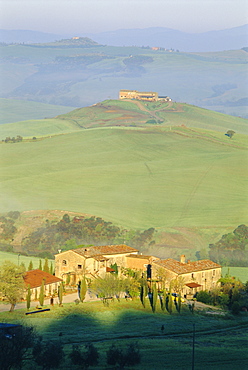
142, 95
97, 261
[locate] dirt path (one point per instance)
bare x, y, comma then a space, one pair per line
69, 298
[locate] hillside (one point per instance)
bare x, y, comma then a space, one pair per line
120, 113
72, 73
147, 176
13, 110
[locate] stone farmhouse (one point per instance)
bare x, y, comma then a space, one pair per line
196, 275
34, 278
97, 261
91, 261
144, 95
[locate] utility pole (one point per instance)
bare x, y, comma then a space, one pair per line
193, 348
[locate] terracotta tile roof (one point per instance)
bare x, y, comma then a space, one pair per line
34, 278
104, 250
183, 268
193, 285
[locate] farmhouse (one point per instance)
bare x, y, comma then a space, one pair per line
91, 261
134, 94
142, 95
34, 278
197, 275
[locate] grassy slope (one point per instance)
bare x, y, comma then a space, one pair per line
184, 76
128, 322
134, 177
126, 113
13, 257
15, 110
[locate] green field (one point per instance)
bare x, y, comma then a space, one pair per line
240, 273
13, 110
18, 258
212, 80
220, 342
134, 177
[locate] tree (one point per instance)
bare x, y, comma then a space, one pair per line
46, 266
28, 298
14, 348
154, 297
60, 293
124, 357
84, 359
51, 268
49, 354
30, 266
230, 133
12, 283
83, 289
40, 265
143, 292
42, 293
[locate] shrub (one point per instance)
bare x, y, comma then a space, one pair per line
204, 297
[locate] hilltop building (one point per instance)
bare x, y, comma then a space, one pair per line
142, 95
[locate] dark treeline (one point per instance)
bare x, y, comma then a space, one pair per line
68, 233
231, 249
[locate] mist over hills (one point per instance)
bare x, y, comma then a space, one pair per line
227, 39
233, 38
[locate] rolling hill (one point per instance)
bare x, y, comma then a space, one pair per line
120, 113
70, 74
135, 174
13, 110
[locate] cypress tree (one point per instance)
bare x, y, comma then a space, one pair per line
46, 266
170, 303
143, 292
154, 297
28, 297
179, 303
83, 289
41, 296
60, 294
40, 265
51, 269
30, 266
163, 305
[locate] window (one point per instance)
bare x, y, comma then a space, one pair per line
64, 262
192, 276
213, 272
79, 267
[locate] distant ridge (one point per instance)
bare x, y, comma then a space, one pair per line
228, 39
27, 36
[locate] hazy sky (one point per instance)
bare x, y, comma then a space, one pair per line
79, 16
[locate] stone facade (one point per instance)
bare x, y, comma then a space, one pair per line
91, 261
197, 275
34, 278
138, 95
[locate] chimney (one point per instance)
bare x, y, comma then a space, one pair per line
182, 258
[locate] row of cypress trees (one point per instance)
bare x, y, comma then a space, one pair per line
165, 297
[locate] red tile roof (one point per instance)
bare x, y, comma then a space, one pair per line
34, 278
183, 268
104, 250
193, 285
